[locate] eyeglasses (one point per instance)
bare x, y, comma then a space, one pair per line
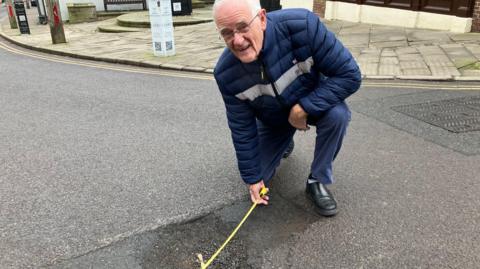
241, 28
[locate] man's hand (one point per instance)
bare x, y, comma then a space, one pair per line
255, 193
298, 118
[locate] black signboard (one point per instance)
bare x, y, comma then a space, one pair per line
181, 7
270, 5
21, 17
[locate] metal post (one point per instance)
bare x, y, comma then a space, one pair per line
56, 23
11, 14
42, 13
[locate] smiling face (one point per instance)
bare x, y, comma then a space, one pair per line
234, 16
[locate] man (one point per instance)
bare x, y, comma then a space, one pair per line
280, 73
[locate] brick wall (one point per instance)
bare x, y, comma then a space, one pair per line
319, 7
476, 17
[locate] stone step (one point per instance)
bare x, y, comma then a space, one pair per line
117, 29
198, 4
142, 20
112, 27
109, 25
111, 13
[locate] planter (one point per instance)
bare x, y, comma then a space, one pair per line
81, 12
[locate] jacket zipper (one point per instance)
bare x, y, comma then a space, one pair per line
264, 74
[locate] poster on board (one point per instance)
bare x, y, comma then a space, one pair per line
161, 23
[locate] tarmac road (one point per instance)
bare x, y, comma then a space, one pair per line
89, 156
101, 168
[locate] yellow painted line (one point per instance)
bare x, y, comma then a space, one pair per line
182, 74
185, 74
420, 86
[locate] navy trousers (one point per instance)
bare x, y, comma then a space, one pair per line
331, 127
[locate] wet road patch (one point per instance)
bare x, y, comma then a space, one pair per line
176, 246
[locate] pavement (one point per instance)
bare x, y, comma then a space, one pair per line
383, 52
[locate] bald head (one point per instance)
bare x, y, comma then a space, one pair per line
241, 23
252, 5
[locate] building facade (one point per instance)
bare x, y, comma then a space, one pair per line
451, 15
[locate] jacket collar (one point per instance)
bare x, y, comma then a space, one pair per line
268, 38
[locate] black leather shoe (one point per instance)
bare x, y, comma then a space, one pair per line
289, 150
323, 199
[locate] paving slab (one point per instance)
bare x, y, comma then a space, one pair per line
389, 69
367, 58
386, 36
406, 51
417, 35
369, 68
415, 73
459, 55
388, 53
419, 64
363, 29
414, 57
467, 37
354, 40
470, 72
388, 44
334, 26
389, 60
444, 70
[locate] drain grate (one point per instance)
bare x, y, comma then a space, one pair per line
457, 115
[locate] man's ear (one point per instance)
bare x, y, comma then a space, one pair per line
263, 18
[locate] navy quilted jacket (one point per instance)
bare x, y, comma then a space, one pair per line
300, 62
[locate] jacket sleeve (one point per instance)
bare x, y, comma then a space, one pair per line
241, 121
334, 61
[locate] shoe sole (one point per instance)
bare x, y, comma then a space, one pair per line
324, 213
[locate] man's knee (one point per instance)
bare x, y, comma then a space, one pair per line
337, 116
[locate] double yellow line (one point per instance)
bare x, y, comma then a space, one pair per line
114, 67
183, 74
428, 85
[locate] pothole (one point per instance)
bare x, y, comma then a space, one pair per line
267, 228
176, 246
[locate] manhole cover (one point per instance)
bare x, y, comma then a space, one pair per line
456, 115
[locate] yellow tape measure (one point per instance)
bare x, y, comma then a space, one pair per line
204, 265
